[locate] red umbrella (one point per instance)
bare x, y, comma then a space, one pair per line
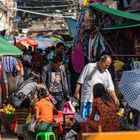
29, 42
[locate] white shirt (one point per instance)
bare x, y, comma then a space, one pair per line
91, 76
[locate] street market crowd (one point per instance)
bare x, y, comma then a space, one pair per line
47, 85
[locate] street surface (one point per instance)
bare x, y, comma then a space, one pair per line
7, 136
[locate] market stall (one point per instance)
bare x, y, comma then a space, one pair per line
103, 30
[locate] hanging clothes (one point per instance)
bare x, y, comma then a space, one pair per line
79, 27
78, 60
90, 47
85, 43
99, 46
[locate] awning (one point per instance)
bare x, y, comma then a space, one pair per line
123, 26
114, 12
135, 19
8, 49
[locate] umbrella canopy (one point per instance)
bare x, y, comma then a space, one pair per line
29, 42
21, 46
44, 42
130, 77
130, 88
131, 94
56, 39
7, 48
41, 45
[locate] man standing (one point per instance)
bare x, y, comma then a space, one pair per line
14, 70
3, 83
58, 50
92, 74
54, 76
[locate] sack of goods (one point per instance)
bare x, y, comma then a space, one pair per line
22, 92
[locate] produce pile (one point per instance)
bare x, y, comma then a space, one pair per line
7, 109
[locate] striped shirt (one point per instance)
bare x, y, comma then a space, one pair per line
9, 63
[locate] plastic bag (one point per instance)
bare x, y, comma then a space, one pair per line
69, 109
31, 126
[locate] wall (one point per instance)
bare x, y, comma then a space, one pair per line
3, 15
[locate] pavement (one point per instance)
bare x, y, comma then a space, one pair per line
8, 136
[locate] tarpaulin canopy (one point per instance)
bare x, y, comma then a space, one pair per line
123, 25
117, 13
7, 48
71, 26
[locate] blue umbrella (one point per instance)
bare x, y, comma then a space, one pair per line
130, 88
41, 46
44, 43
130, 77
47, 40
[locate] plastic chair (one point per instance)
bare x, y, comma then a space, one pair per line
45, 135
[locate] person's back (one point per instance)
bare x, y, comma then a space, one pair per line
43, 112
103, 112
107, 115
46, 111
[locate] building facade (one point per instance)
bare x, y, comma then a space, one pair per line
6, 17
3, 15
57, 9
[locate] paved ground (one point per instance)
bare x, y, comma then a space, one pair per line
7, 136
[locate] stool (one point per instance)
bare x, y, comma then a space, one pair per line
46, 135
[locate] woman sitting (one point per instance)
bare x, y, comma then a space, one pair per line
103, 113
43, 112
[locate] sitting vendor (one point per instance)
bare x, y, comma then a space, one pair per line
43, 112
